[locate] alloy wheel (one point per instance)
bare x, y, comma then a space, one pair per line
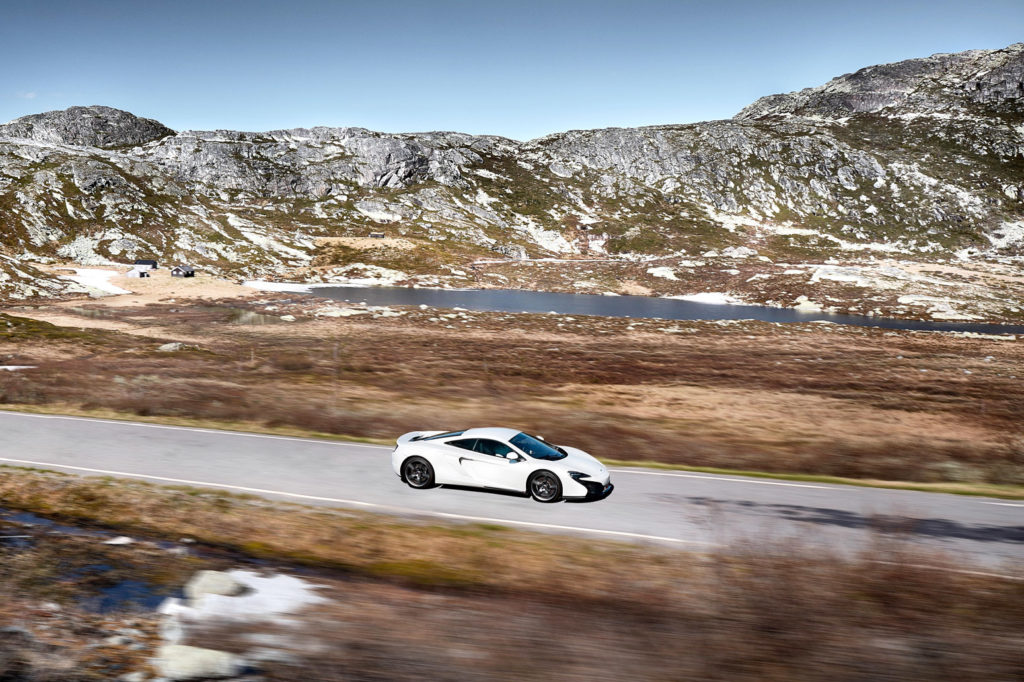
418, 473
544, 487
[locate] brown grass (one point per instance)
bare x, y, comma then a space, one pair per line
414, 601
353, 542
748, 617
808, 400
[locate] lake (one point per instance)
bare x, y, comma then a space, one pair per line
517, 301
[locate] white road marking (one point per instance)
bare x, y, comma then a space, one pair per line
531, 524
1005, 504
374, 505
195, 429
708, 477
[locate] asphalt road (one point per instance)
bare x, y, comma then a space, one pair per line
678, 508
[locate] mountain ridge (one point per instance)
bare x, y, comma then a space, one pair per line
983, 76
913, 160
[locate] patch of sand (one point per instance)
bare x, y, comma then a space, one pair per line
366, 243
159, 287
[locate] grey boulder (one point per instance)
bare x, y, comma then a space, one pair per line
179, 662
212, 582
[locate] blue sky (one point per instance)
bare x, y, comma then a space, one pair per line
516, 68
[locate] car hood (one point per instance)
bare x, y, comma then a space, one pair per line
577, 460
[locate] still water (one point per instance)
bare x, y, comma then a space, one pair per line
516, 301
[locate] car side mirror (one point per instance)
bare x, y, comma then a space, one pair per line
512, 457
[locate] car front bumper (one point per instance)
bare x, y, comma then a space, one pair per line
595, 490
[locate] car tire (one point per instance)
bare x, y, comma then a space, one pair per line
545, 487
418, 473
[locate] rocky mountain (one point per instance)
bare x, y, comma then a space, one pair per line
88, 127
962, 83
921, 160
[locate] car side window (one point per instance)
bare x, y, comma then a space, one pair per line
492, 447
464, 443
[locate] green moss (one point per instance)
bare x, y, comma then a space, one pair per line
25, 329
640, 241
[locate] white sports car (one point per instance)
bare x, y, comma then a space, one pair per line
499, 458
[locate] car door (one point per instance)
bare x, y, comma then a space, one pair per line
456, 452
489, 466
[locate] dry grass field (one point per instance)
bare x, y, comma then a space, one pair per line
410, 601
416, 600
800, 399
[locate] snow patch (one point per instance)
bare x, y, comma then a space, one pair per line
663, 272
484, 198
977, 335
96, 279
267, 598
806, 305
938, 308
732, 222
834, 273
263, 285
738, 252
546, 239
709, 297
490, 175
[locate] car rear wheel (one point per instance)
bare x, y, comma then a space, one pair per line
418, 473
545, 487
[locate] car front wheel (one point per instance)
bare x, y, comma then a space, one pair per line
545, 487
418, 473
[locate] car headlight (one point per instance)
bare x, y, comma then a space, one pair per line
577, 475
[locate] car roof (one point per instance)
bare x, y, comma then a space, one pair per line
496, 432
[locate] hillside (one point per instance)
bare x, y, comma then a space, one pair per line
849, 188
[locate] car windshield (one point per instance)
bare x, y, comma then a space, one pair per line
535, 448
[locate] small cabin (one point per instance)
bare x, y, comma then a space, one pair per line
183, 271
147, 262
138, 271
377, 235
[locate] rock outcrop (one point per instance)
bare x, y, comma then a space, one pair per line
93, 126
211, 582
